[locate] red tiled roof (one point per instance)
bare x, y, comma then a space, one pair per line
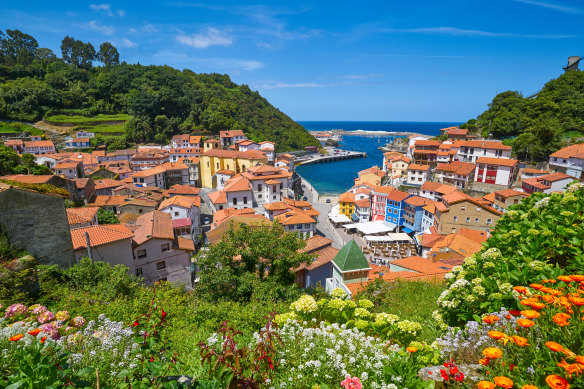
107, 183
552, 177
181, 201
219, 197
363, 203
99, 235
427, 143
249, 154
497, 161
321, 257
81, 215
534, 171
223, 214
153, 224
397, 195
484, 144
511, 192
418, 201
315, 242
184, 190
418, 167
294, 217
29, 179
238, 184
231, 133
347, 197
184, 222
569, 151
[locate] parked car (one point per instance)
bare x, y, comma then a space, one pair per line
304, 198
328, 201
206, 220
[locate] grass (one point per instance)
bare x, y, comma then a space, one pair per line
410, 300
19, 127
106, 129
572, 134
80, 119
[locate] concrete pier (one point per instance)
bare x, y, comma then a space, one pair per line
319, 158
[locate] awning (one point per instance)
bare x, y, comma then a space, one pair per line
369, 228
407, 230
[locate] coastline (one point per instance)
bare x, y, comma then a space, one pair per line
377, 133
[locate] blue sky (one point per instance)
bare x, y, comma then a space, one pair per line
335, 60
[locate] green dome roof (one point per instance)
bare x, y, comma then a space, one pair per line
351, 258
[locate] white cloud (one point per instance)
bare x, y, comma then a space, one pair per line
455, 31
281, 85
105, 8
211, 37
96, 26
125, 42
556, 7
361, 76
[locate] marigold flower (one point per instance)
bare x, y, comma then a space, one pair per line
548, 298
566, 279
577, 277
538, 306
34, 332
520, 289
43, 339
571, 368
486, 385
15, 338
580, 359
490, 319
525, 323
496, 335
549, 281
412, 349
536, 286
531, 314
484, 361
561, 319
568, 353
503, 382
578, 301
554, 346
557, 382
528, 301
529, 387
492, 352
515, 312
520, 340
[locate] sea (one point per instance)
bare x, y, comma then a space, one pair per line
333, 178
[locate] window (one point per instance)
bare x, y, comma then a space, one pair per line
139, 272
468, 219
298, 226
220, 207
455, 218
245, 199
141, 253
259, 186
140, 210
273, 197
476, 219
489, 221
176, 214
235, 201
307, 226
274, 188
260, 196
165, 247
160, 265
281, 186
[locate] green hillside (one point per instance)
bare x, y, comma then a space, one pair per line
538, 125
156, 101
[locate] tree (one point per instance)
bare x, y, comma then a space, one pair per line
67, 49
248, 258
17, 47
45, 54
106, 217
108, 54
77, 53
8, 160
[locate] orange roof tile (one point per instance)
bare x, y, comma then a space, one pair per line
474, 235
510, 193
226, 172
484, 144
315, 242
107, 183
321, 257
276, 206
419, 167
422, 142
294, 217
181, 201
153, 224
238, 184
219, 197
185, 243
81, 215
347, 197
249, 154
184, 190
489, 197
422, 265
29, 179
418, 201
498, 161
223, 214
569, 151
534, 171
99, 235
363, 203
217, 233
108, 200
397, 195
552, 177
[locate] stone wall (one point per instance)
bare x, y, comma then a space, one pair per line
37, 223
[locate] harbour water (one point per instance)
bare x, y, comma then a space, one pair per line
333, 178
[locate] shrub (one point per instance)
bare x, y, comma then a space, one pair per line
538, 239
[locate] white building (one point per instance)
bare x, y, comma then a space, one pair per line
39, 147
496, 171
471, 150
418, 174
229, 138
569, 160
184, 208
269, 149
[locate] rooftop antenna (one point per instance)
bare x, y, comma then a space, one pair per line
572, 63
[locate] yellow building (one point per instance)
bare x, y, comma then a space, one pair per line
213, 160
347, 204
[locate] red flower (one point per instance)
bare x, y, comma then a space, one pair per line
163, 315
136, 323
151, 359
444, 375
43, 339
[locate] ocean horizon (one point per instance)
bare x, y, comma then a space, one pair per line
333, 178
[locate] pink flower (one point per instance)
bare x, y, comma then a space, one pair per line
351, 383
15, 310
45, 317
37, 309
78, 321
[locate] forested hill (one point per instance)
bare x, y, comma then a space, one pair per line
541, 124
34, 83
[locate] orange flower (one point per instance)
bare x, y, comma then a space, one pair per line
561, 319
484, 361
492, 352
496, 335
525, 323
490, 319
520, 340
503, 382
579, 301
15, 338
412, 349
568, 353
577, 277
515, 313
571, 368
548, 298
486, 385
43, 339
538, 306
557, 382
34, 332
528, 301
529, 387
536, 286
566, 279
531, 314
549, 281
520, 289
580, 359
554, 346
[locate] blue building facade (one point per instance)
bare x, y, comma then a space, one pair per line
414, 213
394, 210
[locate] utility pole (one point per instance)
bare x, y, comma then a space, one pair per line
88, 245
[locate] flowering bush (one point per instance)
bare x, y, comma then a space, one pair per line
544, 346
327, 355
520, 250
339, 309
